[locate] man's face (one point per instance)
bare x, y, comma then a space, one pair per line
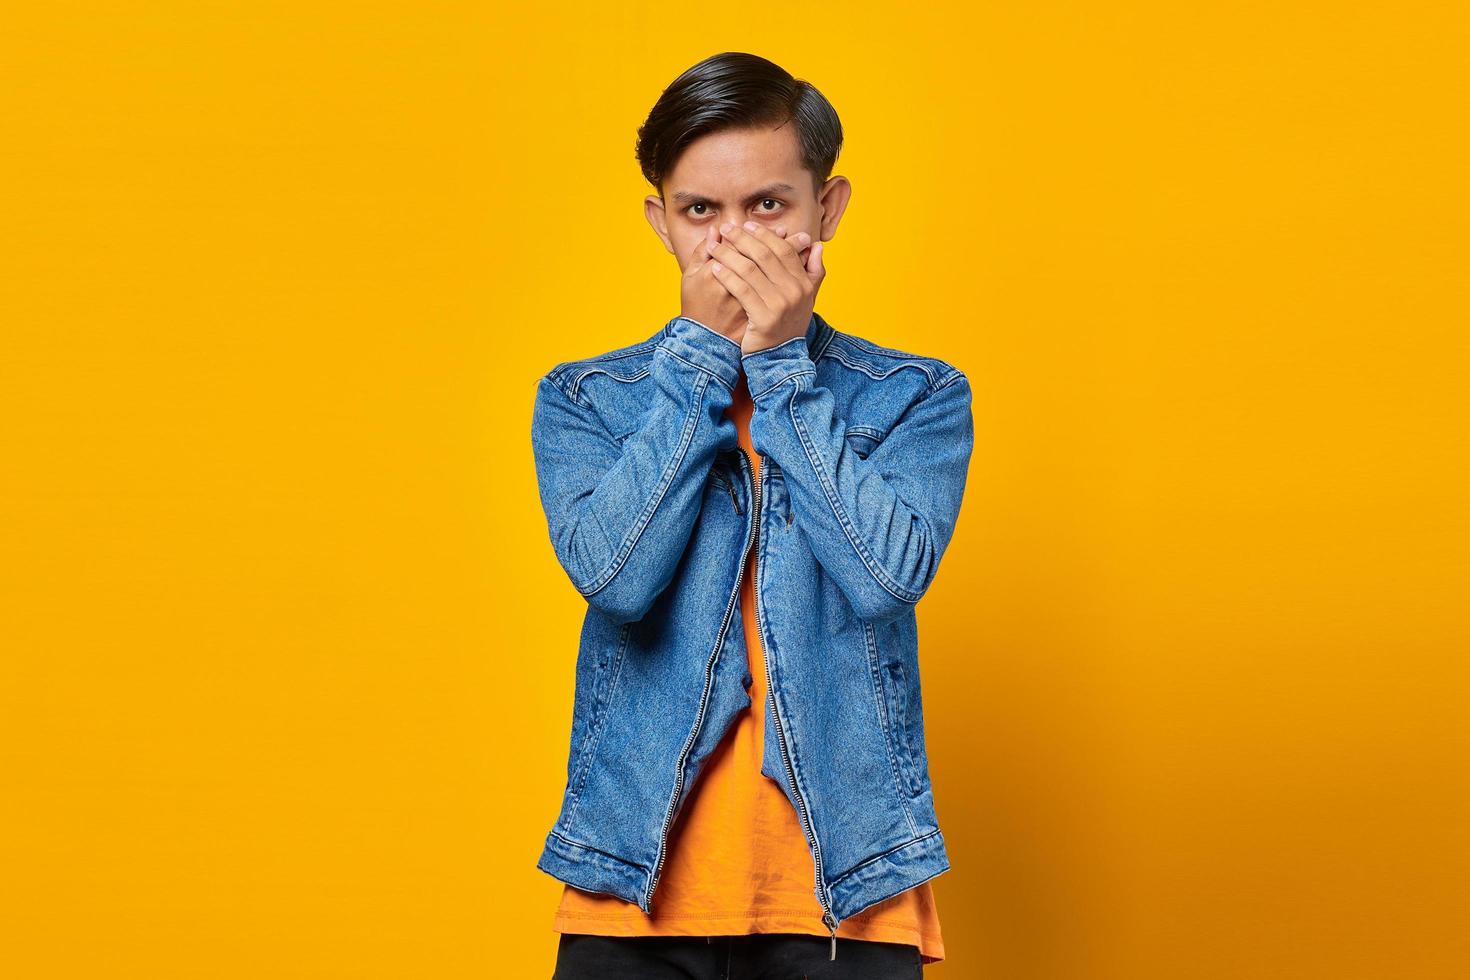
740, 175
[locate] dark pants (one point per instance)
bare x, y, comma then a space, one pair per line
759, 956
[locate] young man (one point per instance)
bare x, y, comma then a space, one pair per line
752, 503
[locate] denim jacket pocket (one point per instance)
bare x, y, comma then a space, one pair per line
603, 671
862, 440
725, 488
896, 690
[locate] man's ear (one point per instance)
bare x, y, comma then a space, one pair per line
653, 210
836, 192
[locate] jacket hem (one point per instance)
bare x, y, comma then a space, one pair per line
592, 870
883, 877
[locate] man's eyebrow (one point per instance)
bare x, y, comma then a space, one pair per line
688, 198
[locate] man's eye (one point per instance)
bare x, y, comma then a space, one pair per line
697, 209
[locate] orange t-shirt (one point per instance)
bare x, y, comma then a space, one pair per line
737, 861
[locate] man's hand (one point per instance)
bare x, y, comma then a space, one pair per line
702, 297
765, 272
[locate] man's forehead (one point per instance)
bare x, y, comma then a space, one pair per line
737, 163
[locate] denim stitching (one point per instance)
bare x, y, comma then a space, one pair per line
878, 857
772, 387
706, 326
877, 374
946, 382
690, 425
637, 375
700, 368
902, 730
874, 669
914, 885
867, 346
597, 850
773, 347
584, 764
817, 462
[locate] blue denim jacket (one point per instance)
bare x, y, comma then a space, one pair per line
652, 509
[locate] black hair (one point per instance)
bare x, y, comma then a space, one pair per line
734, 90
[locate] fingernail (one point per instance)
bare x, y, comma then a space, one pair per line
726, 227
749, 226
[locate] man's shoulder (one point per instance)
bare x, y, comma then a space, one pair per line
881, 361
627, 363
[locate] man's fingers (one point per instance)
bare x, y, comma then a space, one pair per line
752, 248
746, 268
774, 254
747, 295
800, 241
785, 250
815, 269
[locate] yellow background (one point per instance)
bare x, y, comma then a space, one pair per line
287, 656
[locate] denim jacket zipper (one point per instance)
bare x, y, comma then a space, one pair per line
827, 917
663, 838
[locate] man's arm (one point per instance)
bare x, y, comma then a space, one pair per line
620, 516
879, 525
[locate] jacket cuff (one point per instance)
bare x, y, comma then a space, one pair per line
768, 367
705, 348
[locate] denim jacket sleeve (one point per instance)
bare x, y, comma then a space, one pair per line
878, 525
620, 516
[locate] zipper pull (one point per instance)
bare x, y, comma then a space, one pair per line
832, 925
